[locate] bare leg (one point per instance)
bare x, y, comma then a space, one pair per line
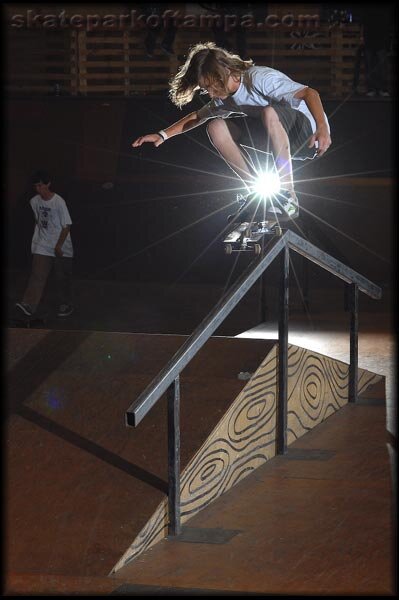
223, 137
280, 145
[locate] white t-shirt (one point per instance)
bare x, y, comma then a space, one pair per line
51, 216
259, 87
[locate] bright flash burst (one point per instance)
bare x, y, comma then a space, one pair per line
267, 184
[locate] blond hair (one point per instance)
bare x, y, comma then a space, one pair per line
207, 63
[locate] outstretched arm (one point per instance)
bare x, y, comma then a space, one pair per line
185, 124
322, 133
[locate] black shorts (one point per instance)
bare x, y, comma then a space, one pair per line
296, 124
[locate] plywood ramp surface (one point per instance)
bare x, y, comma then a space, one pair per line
87, 493
245, 437
80, 485
317, 521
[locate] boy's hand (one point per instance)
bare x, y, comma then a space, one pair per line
322, 136
58, 251
153, 138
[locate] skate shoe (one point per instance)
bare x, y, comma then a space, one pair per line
26, 308
65, 310
289, 205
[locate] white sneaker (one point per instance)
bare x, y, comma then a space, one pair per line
65, 310
26, 308
289, 205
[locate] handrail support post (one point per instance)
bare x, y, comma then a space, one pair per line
173, 399
283, 354
354, 339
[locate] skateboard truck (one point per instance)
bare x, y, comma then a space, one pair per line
247, 230
246, 237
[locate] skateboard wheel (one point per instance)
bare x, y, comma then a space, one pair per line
257, 248
278, 230
228, 248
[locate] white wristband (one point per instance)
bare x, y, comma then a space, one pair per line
163, 135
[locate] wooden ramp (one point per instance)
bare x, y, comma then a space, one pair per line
85, 495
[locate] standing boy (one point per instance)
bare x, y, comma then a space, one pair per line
51, 246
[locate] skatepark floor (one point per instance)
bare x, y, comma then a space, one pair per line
319, 520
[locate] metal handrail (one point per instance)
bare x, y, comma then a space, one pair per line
141, 406
334, 266
168, 379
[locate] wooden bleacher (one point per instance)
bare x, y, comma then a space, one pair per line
77, 62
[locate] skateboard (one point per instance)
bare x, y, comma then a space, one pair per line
246, 237
28, 321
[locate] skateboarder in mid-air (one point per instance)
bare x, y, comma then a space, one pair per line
250, 106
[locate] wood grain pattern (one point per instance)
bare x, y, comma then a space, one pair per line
244, 439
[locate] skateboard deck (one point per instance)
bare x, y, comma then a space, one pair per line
247, 236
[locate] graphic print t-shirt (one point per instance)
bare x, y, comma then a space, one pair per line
51, 217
